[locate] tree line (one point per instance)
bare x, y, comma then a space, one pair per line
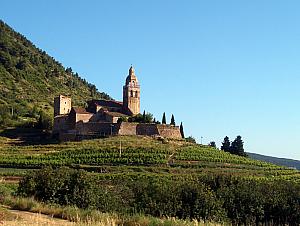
235, 147
213, 197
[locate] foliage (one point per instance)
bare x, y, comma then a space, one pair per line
45, 121
237, 147
212, 144
191, 139
142, 118
207, 197
30, 78
164, 121
172, 120
226, 144
181, 130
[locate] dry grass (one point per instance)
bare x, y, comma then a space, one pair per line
42, 214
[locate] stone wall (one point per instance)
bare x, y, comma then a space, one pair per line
126, 128
60, 123
84, 117
89, 129
147, 129
169, 131
100, 128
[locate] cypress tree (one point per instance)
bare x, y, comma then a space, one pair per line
172, 120
144, 116
226, 145
164, 121
181, 130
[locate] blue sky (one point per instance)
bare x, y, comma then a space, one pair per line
222, 67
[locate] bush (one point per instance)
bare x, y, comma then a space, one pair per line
207, 198
45, 121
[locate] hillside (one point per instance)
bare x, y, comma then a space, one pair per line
30, 78
278, 161
135, 155
151, 176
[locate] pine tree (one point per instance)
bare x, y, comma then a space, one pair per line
181, 130
164, 121
237, 147
172, 120
226, 145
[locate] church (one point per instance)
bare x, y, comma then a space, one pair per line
101, 117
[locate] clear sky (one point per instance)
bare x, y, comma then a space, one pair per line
222, 67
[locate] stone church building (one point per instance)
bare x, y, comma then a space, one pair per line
101, 117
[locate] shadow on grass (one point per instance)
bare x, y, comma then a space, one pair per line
28, 136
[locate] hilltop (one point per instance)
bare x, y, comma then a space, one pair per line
30, 79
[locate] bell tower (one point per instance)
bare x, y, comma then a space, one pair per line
131, 93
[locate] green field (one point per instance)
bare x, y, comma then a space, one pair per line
134, 155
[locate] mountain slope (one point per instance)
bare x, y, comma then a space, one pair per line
278, 161
30, 78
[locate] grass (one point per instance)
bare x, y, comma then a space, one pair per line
92, 217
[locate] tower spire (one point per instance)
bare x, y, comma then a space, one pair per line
131, 93
131, 70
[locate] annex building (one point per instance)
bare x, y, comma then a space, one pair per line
101, 117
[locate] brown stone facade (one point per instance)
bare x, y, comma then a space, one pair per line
149, 129
62, 105
96, 129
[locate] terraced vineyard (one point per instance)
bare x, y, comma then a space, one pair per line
135, 154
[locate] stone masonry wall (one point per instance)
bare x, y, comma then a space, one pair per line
169, 131
127, 128
100, 128
145, 129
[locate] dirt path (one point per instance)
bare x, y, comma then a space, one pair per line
34, 219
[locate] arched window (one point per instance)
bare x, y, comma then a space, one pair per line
136, 93
131, 93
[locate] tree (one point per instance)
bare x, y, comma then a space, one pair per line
144, 116
190, 139
45, 121
164, 121
181, 130
93, 90
69, 70
226, 145
172, 120
212, 144
237, 147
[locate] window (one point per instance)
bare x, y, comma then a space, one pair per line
131, 93
136, 93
